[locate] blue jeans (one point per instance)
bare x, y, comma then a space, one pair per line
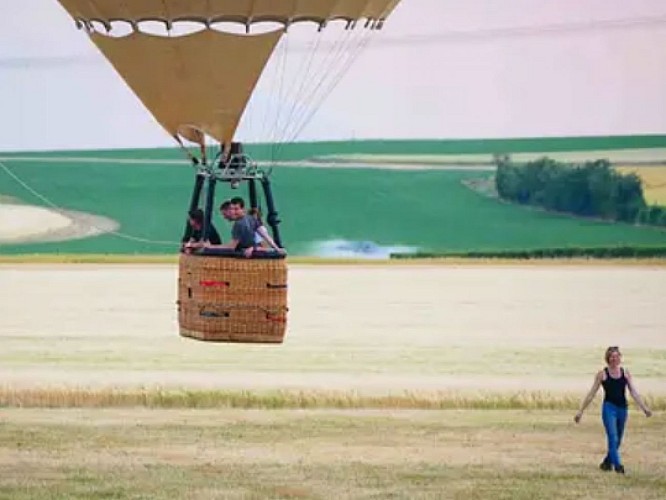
614, 419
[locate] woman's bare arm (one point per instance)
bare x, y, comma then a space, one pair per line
590, 396
634, 394
263, 232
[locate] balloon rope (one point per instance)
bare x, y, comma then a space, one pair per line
87, 224
358, 50
331, 65
303, 74
282, 71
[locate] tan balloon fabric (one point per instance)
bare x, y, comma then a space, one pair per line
194, 83
245, 11
200, 83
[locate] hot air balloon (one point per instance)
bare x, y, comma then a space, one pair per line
197, 85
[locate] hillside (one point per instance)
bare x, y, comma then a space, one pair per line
147, 193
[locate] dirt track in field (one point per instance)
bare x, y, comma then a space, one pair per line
28, 223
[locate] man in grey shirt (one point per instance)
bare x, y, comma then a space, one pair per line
242, 232
243, 229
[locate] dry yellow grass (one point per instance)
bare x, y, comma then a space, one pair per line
471, 454
64, 397
172, 423
654, 182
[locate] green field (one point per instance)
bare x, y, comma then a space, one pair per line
431, 210
305, 150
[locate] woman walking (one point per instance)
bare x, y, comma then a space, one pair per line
615, 379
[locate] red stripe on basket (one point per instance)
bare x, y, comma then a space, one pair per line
277, 319
208, 283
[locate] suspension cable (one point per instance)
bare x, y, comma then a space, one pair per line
355, 52
305, 69
343, 53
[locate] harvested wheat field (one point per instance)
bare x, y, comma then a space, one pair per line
403, 381
654, 182
477, 454
367, 328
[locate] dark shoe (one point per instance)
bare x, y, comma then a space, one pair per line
605, 465
619, 469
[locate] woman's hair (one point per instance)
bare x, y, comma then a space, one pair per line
610, 351
256, 212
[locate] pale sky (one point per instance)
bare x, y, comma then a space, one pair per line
439, 69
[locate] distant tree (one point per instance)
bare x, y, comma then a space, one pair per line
591, 189
629, 197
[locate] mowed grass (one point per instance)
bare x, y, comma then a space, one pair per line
654, 182
136, 453
335, 359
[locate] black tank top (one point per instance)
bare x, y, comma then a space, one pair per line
615, 388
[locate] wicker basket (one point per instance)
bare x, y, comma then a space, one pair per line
232, 299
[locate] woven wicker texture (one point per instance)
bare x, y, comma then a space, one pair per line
226, 299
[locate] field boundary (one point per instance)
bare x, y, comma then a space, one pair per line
604, 253
408, 260
289, 399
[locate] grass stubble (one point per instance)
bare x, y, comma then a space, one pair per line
325, 453
97, 443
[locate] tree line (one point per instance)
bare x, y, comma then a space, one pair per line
590, 189
616, 252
